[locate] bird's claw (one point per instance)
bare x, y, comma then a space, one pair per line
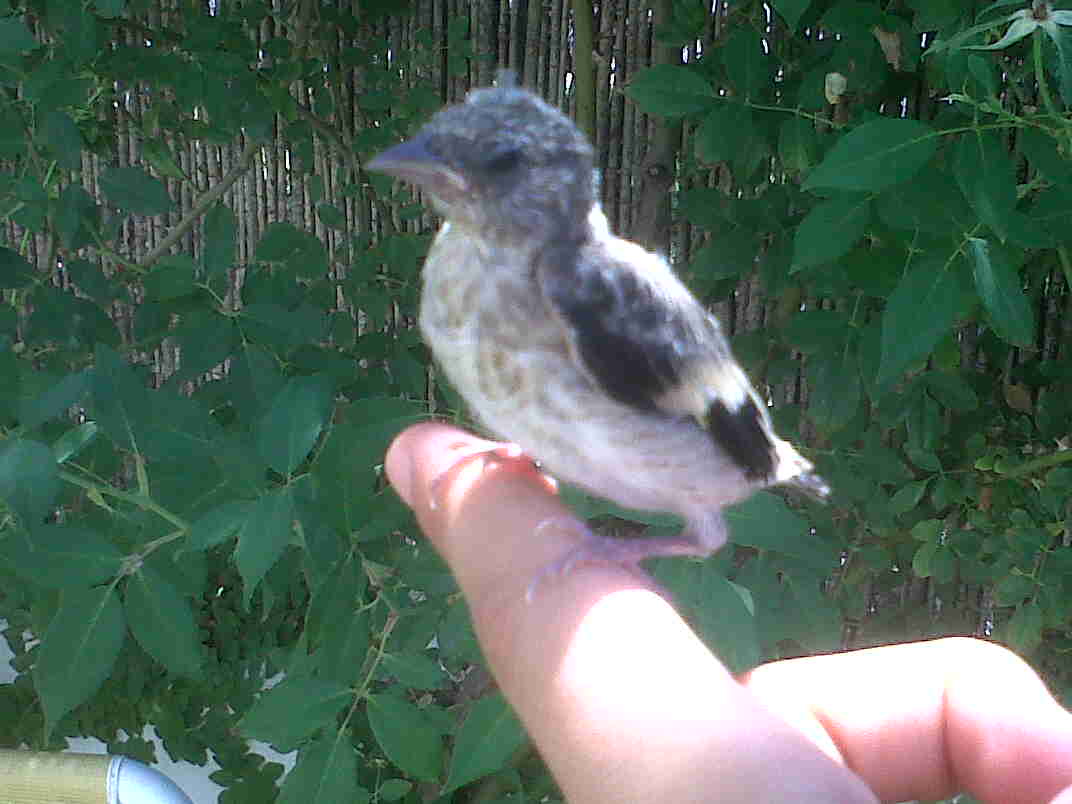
489, 452
615, 551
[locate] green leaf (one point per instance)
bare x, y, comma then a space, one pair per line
836, 389
393, 790
830, 230
908, 496
485, 743
413, 669
817, 331
280, 242
343, 646
219, 241
206, 339
29, 479
923, 458
266, 535
331, 216
669, 90
951, 390
301, 251
406, 735
293, 709
721, 612
157, 154
958, 40
81, 31
120, 403
134, 190
162, 622
110, 9
179, 430
923, 559
325, 773
78, 650
932, 202
63, 139
724, 132
14, 270
875, 155
745, 62
987, 176
944, 566
852, 19
61, 319
807, 614
998, 284
337, 599
218, 525
11, 390
727, 256
51, 403
927, 530
1020, 28
52, 84
918, 314
255, 380
293, 422
74, 441
798, 144
89, 276
76, 219
1013, 590
346, 467
791, 11
1060, 58
277, 327
15, 37
1028, 231
764, 521
1023, 632
171, 278
1052, 209
67, 555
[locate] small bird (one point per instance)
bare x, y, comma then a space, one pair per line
582, 348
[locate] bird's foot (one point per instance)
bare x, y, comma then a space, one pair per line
616, 551
489, 452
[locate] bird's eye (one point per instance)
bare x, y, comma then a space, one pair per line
502, 158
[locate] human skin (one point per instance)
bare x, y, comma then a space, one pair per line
627, 705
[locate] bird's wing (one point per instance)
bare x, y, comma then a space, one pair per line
638, 333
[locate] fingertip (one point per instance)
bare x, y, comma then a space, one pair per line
419, 455
483, 515
399, 462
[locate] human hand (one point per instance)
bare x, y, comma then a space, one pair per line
627, 705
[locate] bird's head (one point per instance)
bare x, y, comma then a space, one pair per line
504, 162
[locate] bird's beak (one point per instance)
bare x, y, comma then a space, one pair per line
412, 161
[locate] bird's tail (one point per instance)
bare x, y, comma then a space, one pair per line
812, 485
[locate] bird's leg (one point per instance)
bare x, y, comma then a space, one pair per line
595, 548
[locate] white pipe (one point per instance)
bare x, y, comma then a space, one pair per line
38, 777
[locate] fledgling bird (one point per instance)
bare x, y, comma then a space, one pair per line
582, 348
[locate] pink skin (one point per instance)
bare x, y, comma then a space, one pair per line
593, 548
626, 704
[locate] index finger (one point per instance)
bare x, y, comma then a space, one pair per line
623, 700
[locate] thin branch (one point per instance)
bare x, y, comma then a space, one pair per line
199, 209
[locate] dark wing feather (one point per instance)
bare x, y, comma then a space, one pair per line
650, 345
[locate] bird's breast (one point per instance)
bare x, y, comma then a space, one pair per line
509, 356
487, 323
